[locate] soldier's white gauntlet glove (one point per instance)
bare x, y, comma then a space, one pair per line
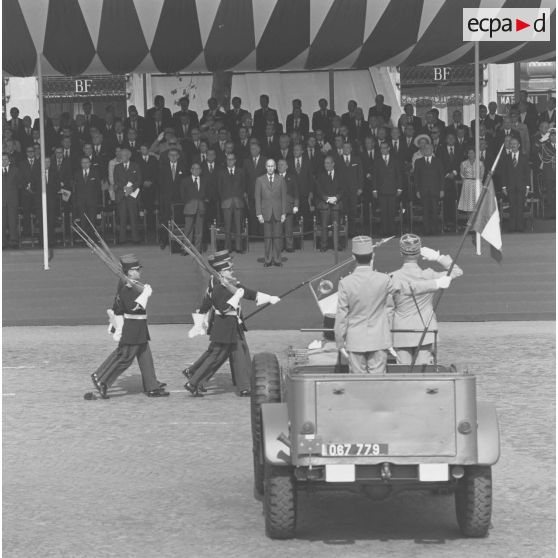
112, 324
429, 255
119, 324
234, 301
263, 298
443, 282
199, 325
144, 296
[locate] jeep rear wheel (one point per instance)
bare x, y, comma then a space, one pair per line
279, 502
473, 501
266, 388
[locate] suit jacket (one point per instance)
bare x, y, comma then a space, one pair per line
316, 161
303, 126
453, 129
361, 322
212, 180
31, 176
292, 190
326, 187
122, 177
25, 138
269, 149
545, 116
271, 198
452, 163
518, 177
414, 120
321, 121
501, 134
169, 189
429, 178
352, 175
194, 199
251, 173
492, 124
242, 151
388, 178
87, 192
260, 120
234, 120
384, 112
166, 113
11, 186
304, 177
217, 115
64, 173
194, 120
401, 151
231, 188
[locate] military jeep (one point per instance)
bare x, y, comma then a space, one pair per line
314, 426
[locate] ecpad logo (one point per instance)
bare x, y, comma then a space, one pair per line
494, 24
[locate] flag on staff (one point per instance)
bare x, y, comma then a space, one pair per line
486, 221
324, 287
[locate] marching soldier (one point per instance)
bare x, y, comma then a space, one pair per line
413, 308
134, 337
226, 330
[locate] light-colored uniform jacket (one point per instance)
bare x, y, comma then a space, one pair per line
405, 313
362, 323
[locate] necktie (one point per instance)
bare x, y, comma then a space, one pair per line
210, 167
146, 158
126, 167
451, 151
97, 149
203, 158
119, 138
59, 164
5, 170
347, 161
270, 176
173, 166
395, 145
312, 153
370, 154
386, 159
482, 156
66, 153
197, 183
269, 140
296, 124
231, 172
330, 175
298, 164
515, 160
85, 174
132, 143
428, 160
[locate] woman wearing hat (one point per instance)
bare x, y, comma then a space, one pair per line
226, 329
134, 338
421, 141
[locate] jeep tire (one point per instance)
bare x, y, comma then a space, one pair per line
279, 502
473, 501
266, 388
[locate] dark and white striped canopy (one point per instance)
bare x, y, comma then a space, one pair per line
168, 36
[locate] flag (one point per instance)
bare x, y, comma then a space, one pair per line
486, 221
324, 287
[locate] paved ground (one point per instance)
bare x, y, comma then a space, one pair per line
78, 287
142, 478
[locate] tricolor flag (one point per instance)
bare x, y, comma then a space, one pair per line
324, 287
486, 221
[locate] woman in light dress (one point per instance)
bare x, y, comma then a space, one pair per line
468, 197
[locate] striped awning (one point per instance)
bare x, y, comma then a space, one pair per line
169, 36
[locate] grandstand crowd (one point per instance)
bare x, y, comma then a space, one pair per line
360, 167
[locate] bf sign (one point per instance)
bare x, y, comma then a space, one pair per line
83, 85
441, 74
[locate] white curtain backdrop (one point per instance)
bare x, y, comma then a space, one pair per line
353, 84
198, 87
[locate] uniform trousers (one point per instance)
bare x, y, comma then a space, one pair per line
122, 358
370, 362
216, 355
405, 355
128, 209
273, 240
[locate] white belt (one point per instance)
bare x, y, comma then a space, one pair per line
135, 316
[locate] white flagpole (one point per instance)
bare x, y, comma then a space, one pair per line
477, 137
43, 155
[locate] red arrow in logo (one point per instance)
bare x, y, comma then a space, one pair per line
520, 24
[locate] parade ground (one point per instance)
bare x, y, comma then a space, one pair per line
161, 478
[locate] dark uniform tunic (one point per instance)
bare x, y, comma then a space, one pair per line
226, 333
134, 342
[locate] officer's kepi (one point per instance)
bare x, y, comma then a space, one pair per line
409, 245
129, 261
362, 246
220, 261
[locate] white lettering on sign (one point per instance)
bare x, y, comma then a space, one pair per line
83, 85
441, 74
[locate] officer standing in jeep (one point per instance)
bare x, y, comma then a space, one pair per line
413, 308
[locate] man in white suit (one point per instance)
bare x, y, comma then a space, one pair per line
271, 210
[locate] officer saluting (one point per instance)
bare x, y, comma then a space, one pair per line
226, 329
134, 337
413, 305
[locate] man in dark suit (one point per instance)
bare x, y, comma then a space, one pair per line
171, 173
408, 117
253, 166
398, 147
284, 151
271, 210
264, 115
30, 170
457, 121
97, 161
528, 109
549, 115
15, 123
483, 113
134, 121
26, 134
149, 170
91, 120
232, 196
516, 185
329, 195
100, 154
302, 173
321, 119
315, 156
429, 187
506, 130
118, 138
63, 170
349, 168
212, 112
154, 126
293, 201
11, 186
270, 141
159, 106
388, 187
87, 192
195, 197
193, 120
379, 109
235, 117
132, 144
242, 146
297, 121
348, 117
127, 183
211, 172
81, 131
451, 156
493, 121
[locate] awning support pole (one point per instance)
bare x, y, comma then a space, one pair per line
477, 137
43, 156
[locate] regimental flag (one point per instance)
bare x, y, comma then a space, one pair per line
486, 221
324, 287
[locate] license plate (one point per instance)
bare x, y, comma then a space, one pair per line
354, 450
